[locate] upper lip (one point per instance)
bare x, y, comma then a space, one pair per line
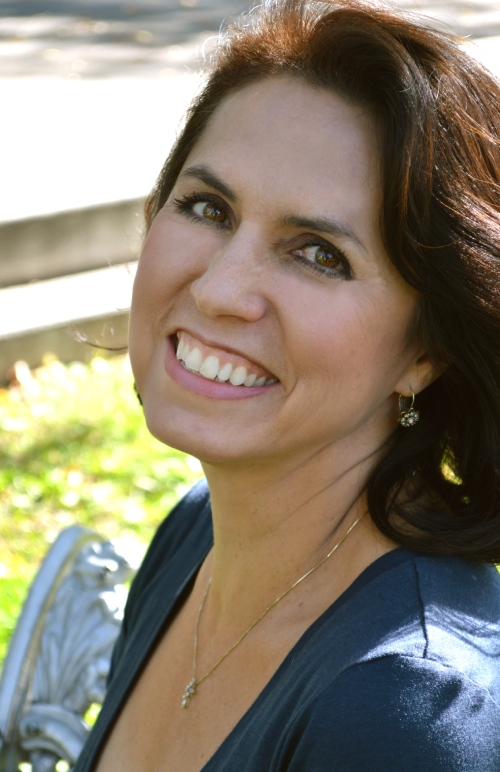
222, 346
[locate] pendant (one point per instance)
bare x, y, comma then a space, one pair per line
189, 693
409, 417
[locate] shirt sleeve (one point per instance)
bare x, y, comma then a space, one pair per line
397, 713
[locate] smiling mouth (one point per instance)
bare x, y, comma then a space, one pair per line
217, 365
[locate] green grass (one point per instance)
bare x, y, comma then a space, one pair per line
74, 449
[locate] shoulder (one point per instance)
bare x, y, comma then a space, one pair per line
180, 520
398, 712
190, 517
443, 611
439, 608
179, 541
413, 681
460, 604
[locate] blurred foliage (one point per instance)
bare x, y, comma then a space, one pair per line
74, 449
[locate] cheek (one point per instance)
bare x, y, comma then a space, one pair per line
168, 254
355, 336
330, 324
174, 252
173, 255
151, 298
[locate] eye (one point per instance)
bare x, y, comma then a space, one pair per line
203, 208
323, 259
321, 255
209, 211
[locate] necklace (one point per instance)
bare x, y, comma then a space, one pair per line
192, 686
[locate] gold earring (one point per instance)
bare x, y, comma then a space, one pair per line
407, 416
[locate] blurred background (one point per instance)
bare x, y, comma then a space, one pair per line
92, 94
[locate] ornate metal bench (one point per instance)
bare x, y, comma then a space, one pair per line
59, 656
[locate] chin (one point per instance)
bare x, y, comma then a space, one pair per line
192, 435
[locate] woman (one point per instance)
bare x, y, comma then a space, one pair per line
322, 253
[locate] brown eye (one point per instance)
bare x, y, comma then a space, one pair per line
210, 211
322, 256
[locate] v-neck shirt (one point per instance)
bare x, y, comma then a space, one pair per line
401, 672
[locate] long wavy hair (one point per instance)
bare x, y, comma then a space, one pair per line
437, 490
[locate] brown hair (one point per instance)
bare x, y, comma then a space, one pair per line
439, 116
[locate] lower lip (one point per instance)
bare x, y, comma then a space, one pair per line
205, 387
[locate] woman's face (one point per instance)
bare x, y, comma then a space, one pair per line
267, 260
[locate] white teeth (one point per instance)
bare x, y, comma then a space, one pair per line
225, 372
250, 380
180, 350
238, 376
210, 367
193, 360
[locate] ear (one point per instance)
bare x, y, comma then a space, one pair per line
419, 374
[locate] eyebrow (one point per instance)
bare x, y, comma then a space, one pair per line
325, 225
321, 224
210, 178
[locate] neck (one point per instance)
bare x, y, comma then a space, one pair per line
275, 521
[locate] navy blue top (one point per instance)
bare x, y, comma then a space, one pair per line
402, 672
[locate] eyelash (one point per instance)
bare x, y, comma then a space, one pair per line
184, 206
343, 271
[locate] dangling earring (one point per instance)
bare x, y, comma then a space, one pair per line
407, 417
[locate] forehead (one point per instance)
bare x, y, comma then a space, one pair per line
294, 142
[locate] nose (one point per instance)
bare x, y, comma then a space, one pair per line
232, 280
